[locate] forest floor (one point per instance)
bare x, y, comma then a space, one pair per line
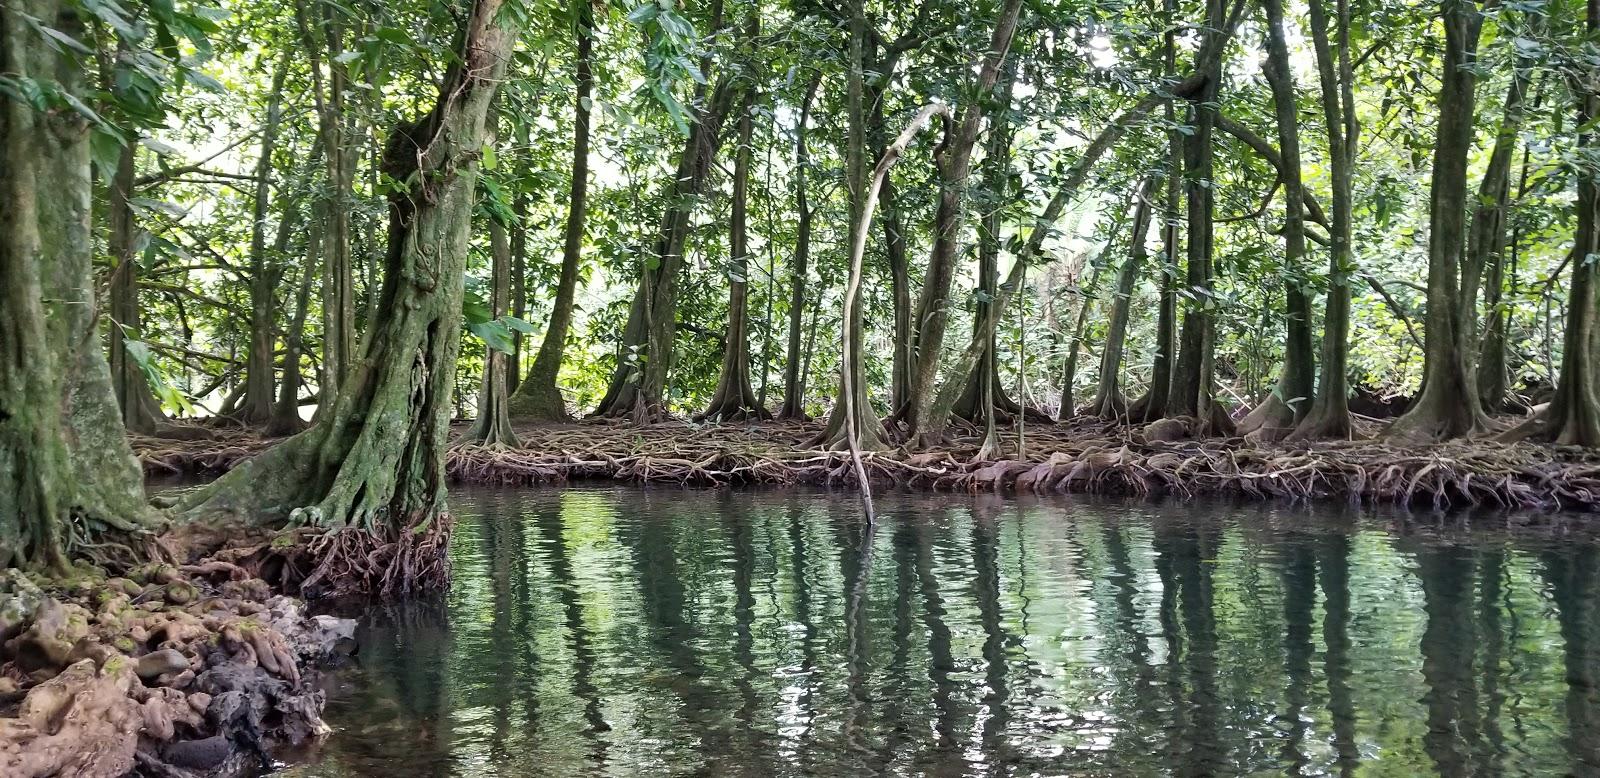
1080, 455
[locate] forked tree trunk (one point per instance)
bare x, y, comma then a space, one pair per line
1329, 416
735, 398
1573, 415
1153, 405
375, 462
1448, 405
64, 458
1276, 416
793, 383
537, 396
1108, 402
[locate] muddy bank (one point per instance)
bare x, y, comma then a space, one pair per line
169, 671
1079, 456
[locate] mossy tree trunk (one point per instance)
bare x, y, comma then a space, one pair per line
65, 467
794, 388
375, 461
984, 398
1448, 405
1277, 415
537, 396
735, 398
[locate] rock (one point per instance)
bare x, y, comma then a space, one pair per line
1163, 430
48, 641
180, 592
157, 663
81, 722
203, 755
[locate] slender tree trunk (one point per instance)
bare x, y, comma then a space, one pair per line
1154, 403
538, 397
492, 426
285, 418
258, 394
64, 458
1329, 416
1448, 405
735, 398
375, 462
1069, 373
519, 291
1278, 414
1573, 415
793, 385
954, 166
1487, 243
1108, 402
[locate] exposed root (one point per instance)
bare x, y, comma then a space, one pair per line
1079, 455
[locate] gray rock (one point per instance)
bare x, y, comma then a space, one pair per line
203, 755
157, 663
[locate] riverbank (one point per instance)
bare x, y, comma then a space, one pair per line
170, 670
1077, 456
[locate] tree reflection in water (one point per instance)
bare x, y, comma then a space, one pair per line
640, 632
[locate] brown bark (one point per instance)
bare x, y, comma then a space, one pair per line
1108, 402
258, 395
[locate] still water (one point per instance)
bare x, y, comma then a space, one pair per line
630, 632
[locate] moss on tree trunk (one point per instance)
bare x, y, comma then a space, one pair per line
374, 463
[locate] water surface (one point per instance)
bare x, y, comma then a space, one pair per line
630, 632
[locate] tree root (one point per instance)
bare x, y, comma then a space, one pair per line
1083, 454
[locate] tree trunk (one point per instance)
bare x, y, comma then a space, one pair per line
954, 166
375, 462
285, 418
1448, 405
1573, 415
537, 396
141, 413
735, 399
338, 292
1278, 414
1191, 380
258, 394
793, 384
984, 397
1108, 401
639, 384
1329, 416
1154, 403
64, 459
1486, 245
492, 427
1069, 372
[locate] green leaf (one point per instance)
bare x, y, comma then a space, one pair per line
490, 161
518, 324
495, 334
